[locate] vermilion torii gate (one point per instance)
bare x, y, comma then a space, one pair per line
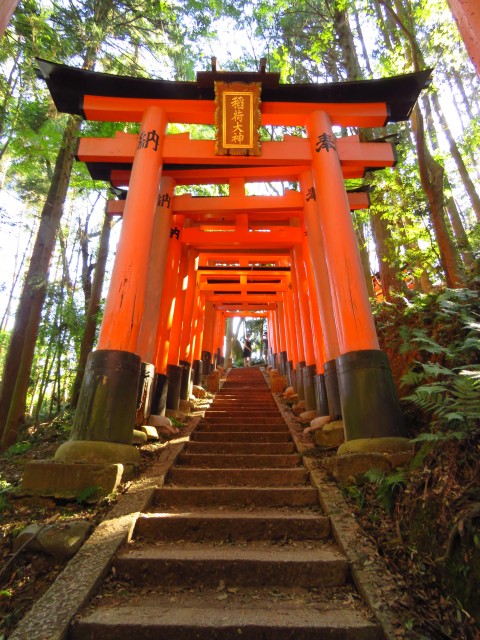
183, 264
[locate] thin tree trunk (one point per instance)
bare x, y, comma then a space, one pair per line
21, 349
91, 318
431, 176
6, 313
456, 155
463, 242
362, 247
388, 274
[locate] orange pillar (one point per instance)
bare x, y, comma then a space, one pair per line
207, 340
186, 343
467, 17
308, 371
108, 398
292, 342
180, 293
324, 288
156, 271
169, 295
318, 343
282, 339
198, 317
126, 296
370, 406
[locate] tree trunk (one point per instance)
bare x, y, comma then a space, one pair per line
431, 176
362, 247
456, 155
463, 242
21, 349
388, 274
91, 318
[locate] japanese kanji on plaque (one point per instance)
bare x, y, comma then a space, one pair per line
237, 118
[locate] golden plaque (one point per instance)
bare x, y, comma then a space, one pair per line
237, 117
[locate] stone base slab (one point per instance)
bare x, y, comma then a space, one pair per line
75, 480
332, 434
98, 452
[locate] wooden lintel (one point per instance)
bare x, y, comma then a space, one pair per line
108, 109
270, 207
179, 149
252, 287
279, 238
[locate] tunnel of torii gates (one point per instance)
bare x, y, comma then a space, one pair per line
184, 264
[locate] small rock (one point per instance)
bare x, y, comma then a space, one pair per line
198, 391
307, 416
149, 431
60, 540
319, 423
299, 407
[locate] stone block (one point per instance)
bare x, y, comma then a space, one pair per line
331, 435
149, 431
378, 445
159, 421
400, 458
98, 452
185, 406
139, 437
213, 382
76, 480
347, 468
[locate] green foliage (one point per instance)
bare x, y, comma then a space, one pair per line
388, 486
87, 494
444, 377
18, 449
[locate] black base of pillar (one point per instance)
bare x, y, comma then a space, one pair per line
174, 375
299, 377
185, 383
333, 394
275, 357
108, 397
197, 372
289, 373
283, 363
309, 387
145, 393
369, 399
207, 363
321, 395
159, 401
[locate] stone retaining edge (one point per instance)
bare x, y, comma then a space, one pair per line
51, 615
370, 576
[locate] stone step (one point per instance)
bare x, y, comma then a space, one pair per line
239, 436
248, 420
204, 617
240, 448
259, 564
232, 526
247, 413
224, 425
253, 497
194, 477
235, 460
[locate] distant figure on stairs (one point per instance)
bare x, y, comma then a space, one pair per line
247, 351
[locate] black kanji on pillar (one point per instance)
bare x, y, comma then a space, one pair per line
325, 142
146, 137
175, 232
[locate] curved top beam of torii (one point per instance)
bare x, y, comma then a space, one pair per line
102, 96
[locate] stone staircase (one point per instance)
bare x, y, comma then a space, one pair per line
235, 545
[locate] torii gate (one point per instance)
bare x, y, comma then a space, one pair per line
167, 305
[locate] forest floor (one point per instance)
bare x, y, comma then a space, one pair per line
433, 613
